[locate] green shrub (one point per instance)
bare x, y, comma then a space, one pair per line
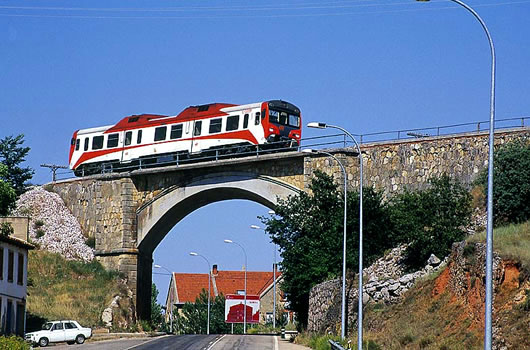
39, 232
13, 343
511, 183
91, 242
38, 223
6, 229
431, 220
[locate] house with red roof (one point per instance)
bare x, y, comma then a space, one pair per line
186, 287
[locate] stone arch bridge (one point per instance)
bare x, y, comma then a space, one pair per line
128, 214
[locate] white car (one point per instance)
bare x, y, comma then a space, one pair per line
59, 331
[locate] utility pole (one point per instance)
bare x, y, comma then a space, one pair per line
54, 168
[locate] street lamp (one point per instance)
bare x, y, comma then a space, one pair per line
209, 288
256, 227
343, 306
360, 296
156, 266
489, 230
245, 297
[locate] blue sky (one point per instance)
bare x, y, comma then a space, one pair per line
366, 65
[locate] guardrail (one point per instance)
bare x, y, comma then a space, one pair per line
325, 141
335, 345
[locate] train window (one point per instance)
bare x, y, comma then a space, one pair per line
283, 118
232, 123
245, 121
72, 142
133, 119
85, 147
294, 120
97, 142
128, 138
139, 137
274, 116
215, 125
77, 142
112, 140
197, 128
160, 133
176, 132
256, 121
203, 108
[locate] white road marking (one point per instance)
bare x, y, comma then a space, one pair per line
218, 340
275, 342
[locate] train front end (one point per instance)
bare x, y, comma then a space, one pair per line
282, 124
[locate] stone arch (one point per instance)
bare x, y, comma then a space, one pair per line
156, 217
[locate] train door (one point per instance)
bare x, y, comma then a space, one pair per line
126, 137
196, 133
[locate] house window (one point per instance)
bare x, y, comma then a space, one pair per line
240, 292
160, 133
112, 141
176, 132
139, 137
232, 122
97, 142
20, 275
10, 265
128, 138
215, 125
197, 128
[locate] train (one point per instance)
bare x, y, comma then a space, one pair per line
197, 133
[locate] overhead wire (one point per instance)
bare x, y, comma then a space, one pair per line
224, 16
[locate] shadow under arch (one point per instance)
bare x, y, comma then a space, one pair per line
158, 216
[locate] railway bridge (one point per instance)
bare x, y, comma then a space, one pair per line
129, 214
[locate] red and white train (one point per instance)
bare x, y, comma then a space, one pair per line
198, 131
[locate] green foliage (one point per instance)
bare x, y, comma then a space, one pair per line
156, 309
6, 229
13, 343
12, 154
308, 229
525, 306
194, 317
91, 242
8, 196
511, 183
431, 220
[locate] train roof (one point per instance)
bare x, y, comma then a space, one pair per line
190, 113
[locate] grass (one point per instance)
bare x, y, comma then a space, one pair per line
62, 289
511, 242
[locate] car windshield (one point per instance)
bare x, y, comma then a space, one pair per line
47, 326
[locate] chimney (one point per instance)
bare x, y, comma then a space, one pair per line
214, 270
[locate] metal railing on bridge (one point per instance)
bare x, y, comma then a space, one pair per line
326, 141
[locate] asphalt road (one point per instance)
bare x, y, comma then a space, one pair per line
180, 342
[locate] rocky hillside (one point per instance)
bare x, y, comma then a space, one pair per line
444, 309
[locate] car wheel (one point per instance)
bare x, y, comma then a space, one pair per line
43, 342
80, 339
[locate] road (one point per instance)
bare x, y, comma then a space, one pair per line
187, 342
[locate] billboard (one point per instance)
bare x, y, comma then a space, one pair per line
234, 305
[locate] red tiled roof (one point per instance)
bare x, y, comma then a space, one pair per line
189, 285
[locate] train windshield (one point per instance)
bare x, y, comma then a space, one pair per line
284, 118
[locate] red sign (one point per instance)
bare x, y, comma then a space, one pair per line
234, 305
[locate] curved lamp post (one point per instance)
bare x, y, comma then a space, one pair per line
245, 298
360, 296
209, 288
489, 231
256, 227
343, 305
156, 266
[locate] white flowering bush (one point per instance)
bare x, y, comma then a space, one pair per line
52, 226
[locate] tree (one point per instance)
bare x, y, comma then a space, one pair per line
156, 309
431, 220
308, 229
194, 317
7, 193
511, 183
12, 154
